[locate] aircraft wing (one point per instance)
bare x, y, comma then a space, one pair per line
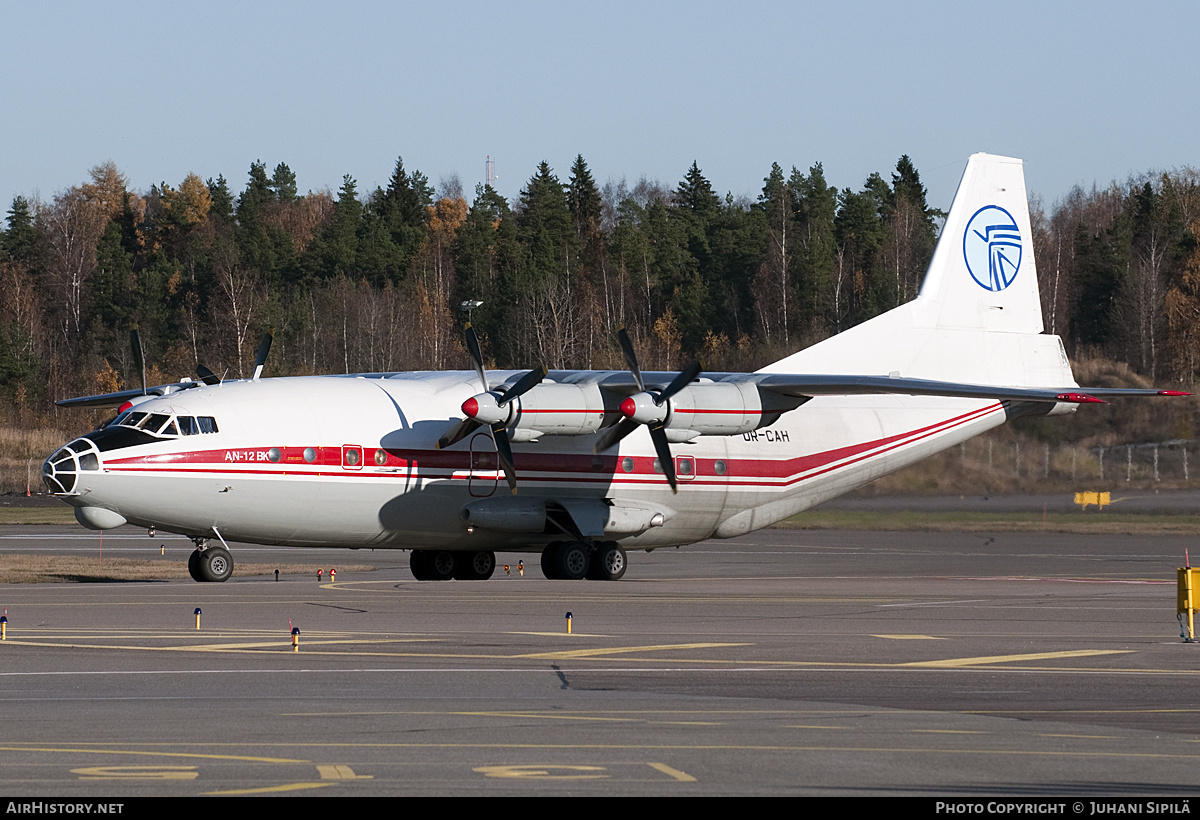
796, 385
120, 397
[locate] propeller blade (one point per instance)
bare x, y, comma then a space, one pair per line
456, 432
476, 356
526, 383
665, 460
207, 376
504, 451
681, 380
613, 434
630, 357
139, 361
260, 358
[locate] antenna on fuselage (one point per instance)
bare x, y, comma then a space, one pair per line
264, 347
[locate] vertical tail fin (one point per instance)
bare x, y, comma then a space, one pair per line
982, 275
978, 317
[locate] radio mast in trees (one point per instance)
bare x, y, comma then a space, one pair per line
491, 172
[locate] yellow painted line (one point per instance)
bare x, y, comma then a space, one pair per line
71, 750
286, 787
682, 777
572, 635
549, 716
908, 637
620, 650
1086, 737
1036, 656
951, 731
340, 771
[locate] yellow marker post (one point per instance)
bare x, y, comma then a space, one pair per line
295, 639
197, 617
521, 568
332, 575
569, 616
507, 570
162, 549
3, 627
1186, 596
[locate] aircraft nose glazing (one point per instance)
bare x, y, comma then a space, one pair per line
61, 471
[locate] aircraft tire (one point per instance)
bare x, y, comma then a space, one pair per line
608, 562
441, 565
194, 566
419, 565
216, 564
572, 561
550, 561
474, 566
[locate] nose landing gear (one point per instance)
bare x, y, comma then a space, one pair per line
209, 563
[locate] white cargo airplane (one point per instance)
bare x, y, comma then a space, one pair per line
419, 461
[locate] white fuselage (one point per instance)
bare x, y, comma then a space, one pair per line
352, 461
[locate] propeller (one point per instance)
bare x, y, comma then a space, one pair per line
491, 408
649, 409
260, 358
207, 376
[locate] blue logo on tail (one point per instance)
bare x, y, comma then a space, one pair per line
992, 248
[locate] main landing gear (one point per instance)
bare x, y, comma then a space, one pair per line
442, 565
209, 563
561, 561
575, 560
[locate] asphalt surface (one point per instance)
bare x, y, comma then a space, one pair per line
786, 662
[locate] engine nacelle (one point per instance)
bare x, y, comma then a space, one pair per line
704, 409
557, 410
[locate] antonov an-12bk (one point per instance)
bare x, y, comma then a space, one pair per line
425, 461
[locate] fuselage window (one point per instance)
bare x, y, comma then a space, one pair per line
207, 424
188, 426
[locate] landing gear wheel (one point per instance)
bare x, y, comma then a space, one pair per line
216, 564
550, 562
419, 564
194, 566
474, 566
572, 561
440, 565
608, 562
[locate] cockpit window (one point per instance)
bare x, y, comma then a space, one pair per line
155, 422
164, 424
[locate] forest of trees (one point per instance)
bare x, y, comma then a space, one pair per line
371, 281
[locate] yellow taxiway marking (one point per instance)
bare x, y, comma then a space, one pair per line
341, 772
284, 787
951, 731
72, 750
564, 654
1035, 656
682, 777
534, 771
137, 773
908, 637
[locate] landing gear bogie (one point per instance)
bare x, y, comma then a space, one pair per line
442, 565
